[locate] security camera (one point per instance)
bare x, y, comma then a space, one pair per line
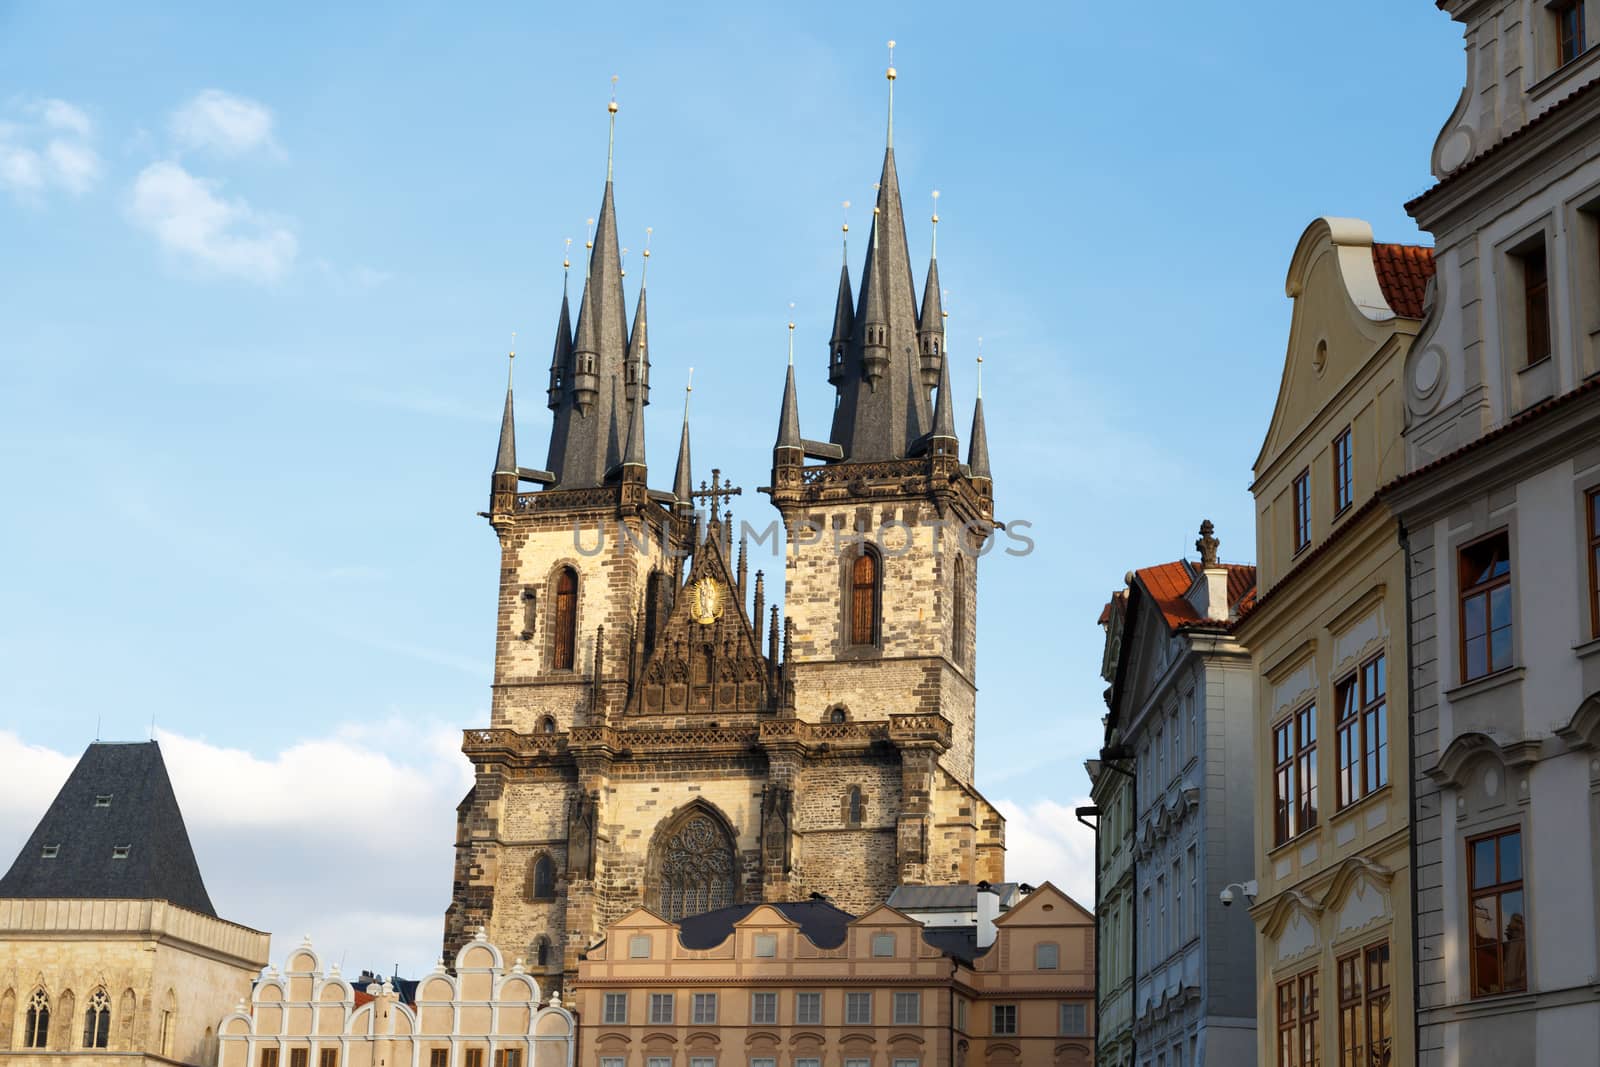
1247, 888
1226, 896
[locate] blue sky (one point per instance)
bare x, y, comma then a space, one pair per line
261, 273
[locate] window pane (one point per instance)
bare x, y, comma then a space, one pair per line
1500, 648
1500, 607
1510, 857
1477, 657
1483, 872
1473, 620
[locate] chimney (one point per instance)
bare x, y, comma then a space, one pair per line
1210, 594
988, 912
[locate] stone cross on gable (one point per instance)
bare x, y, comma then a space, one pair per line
717, 493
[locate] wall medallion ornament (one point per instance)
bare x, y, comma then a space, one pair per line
706, 601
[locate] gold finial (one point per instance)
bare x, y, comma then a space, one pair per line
944, 300
936, 223
791, 333
688, 387
890, 74
588, 242
566, 256
980, 368
644, 272
622, 263
846, 230
611, 146
511, 359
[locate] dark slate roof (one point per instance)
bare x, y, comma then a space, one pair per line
936, 897
957, 942
142, 814
820, 921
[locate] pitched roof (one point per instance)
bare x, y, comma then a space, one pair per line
1403, 272
819, 920
937, 897
1168, 585
117, 797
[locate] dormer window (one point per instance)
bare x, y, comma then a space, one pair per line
50, 852
103, 800
1570, 38
120, 852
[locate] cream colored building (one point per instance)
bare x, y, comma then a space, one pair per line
1328, 638
110, 951
482, 1015
803, 984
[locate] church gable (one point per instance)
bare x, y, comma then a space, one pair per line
705, 657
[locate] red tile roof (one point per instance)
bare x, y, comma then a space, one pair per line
1403, 273
1168, 584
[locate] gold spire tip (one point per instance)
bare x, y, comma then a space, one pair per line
890, 74
566, 255
612, 106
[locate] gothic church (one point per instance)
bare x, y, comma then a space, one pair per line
646, 745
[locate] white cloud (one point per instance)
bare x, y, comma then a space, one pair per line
347, 837
223, 123
228, 237
1046, 842
52, 149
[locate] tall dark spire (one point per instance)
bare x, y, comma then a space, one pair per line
638, 337
633, 453
978, 446
505, 459
843, 319
930, 323
588, 432
878, 414
789, 415
682, 482
943, 437
561, 355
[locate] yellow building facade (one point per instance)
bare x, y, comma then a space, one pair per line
1328, 640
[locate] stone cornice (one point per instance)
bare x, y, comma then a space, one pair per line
43, 919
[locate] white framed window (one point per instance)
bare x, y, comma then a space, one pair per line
702, 1061
763, 1061
705, 1008
807, 1061
639, 947
611, 1061
858, 1009
808, 1008
858, 1063
901, 1061
907, 1008
1074, 1019
616, 1008
766, 945
883, 944
764, 1009
658, 1061
662, 1007
1046, 956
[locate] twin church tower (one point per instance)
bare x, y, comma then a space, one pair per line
659, 734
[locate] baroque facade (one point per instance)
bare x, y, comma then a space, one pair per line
662, 737
804, 984
1173, 790
1500, 509
110, 949
1328, 638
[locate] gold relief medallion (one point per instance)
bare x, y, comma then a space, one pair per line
705, 601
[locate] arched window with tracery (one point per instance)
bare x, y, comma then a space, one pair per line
36, 1027
566, 618
855, 807
958, 615
866, 575
97, 1020
543, 883
694, 867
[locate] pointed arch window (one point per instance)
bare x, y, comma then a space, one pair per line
36, 1027
544, 878
566, 618
866, 584
958, 613
97, 1020
854, 807
541, 952
694, 865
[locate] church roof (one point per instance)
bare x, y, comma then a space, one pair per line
115, 831
822, 923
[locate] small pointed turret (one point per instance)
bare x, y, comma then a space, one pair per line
844, 317
633, 453
503, 483
789, 451
561, 355
682, 483
638, 337
930, 323
942, 441
978, 446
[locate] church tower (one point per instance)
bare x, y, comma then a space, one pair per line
659, 734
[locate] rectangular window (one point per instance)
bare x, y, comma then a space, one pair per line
269, 1057
1380, 1012
1194, 893
1362, 732
1499, 924
1163, 943
764, 1008
1592, 506
1343, 480
1294, 779
1005, 1019
50, 852
858, 1008
808, 1008
299, 1057
766, 945
1302, 510
612, 1061
883, 944
661, 1008
1074, 1020
120, 852
1180, 934
1299, 1038
474, 1057
1175, 731
961, 1015
1569, 30
328, 1057
702, 1061
508, 1057
907, 1008
1046, 956
616, 1010
1535, 304
906, 1062
438, 1057
1485, 585
763, 1061
807, 1061
658, 1061
858, 1063
705, 1008
639, 947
